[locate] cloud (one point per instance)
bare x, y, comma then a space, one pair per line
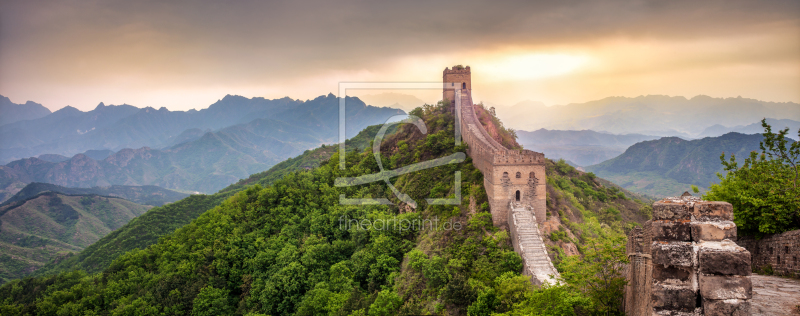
84, 52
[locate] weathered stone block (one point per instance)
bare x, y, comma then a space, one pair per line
697, 312
705, 211
713, 231
719, 287
732, 307
672, 230
667, 210
723, 258
677, 254
676, 298
671, 273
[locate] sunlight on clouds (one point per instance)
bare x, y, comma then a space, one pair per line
533, 66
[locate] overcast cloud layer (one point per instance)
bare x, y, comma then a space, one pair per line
187, 54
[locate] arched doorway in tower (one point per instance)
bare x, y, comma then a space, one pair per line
517, 195
463, 85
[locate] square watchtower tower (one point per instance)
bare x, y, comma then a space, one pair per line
458, 77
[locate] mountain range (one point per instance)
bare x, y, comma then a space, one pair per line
755, 128
197, 158
668, 166
656, 115
11, 112
583, 148
145, 195
69, 131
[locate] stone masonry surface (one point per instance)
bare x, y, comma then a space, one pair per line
514, 180
775, 296
781, 251
686, 260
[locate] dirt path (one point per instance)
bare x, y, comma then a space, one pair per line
774, 296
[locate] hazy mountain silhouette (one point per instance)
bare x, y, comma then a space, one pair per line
582, 148
650, 115
203, 162
11, 112
755, 128
69, 131
668, 166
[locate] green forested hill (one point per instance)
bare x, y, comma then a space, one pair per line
35, 230
145, 230
145, 195
292, 248
668, 166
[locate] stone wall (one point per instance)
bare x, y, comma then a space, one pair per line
505, 171
455, 79
781, 251
697, 269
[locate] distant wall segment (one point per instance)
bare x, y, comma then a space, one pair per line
508, 175
780, 251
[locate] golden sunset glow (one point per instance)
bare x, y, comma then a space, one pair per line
157, 54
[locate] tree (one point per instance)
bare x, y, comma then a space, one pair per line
211, 301
599, 273
764, 191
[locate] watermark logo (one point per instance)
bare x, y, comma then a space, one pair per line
385, 175
395, 224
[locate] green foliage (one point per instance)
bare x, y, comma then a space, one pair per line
764, 191
51, 226
598, 273
283, 249
212, 302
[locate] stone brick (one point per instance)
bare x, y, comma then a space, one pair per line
672, 230
723, 258
667, 210
713, 231
719, 287
705, 211
661, 273
675, 298
732, 307
676, 254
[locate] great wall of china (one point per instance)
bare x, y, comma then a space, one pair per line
682, 262
514, 180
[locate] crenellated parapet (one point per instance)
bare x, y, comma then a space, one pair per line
510, 175
514, 180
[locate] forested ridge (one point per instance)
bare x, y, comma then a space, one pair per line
283, 249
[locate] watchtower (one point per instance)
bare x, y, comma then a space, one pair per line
458, 77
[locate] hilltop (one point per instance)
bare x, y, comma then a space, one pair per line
145, 195
47, 225
668, 166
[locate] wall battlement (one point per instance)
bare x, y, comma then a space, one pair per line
514, 180
684, 262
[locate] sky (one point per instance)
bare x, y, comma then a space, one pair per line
188, 54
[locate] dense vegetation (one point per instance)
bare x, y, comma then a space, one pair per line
291, 248
764, 190
145, 195
668, 166
48, 225
506, 136
146, 229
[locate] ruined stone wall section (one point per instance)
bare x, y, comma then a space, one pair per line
505, 171
781, 251
696, 267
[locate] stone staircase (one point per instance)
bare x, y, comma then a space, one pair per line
529, 244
